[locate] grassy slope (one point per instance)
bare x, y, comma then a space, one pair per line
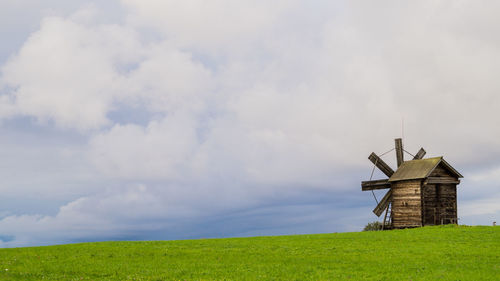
430, 253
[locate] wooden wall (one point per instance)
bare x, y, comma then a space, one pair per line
431, 201
439, 198
442, 173
406, 204
439, 204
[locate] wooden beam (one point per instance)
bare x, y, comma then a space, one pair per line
441, 180
381, 164
385, 217
375, 184
399, 151
382, 205
420, 154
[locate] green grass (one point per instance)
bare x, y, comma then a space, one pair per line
429, 253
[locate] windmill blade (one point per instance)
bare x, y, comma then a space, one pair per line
382, 205
420, 154
381, 164
375, 184
399, 151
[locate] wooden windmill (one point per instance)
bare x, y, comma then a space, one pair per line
421, 191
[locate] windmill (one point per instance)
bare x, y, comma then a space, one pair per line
421, 191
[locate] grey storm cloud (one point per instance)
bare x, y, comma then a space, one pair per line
183, 119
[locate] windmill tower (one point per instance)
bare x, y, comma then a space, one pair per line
421, 191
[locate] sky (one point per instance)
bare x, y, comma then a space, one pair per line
149, 119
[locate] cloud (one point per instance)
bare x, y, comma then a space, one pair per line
168, 79
219, 26
245, 103
140, 211
65, 72
74, 74
107, 215
159, 151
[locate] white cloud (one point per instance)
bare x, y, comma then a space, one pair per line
218, 26
65, 72
160, 151
74, 73
167, 80
109, 214
274, 96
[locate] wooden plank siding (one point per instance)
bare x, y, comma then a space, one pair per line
421, 191
441, 172
441, 180
406, 204
439, 204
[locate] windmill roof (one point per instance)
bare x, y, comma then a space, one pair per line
419, 169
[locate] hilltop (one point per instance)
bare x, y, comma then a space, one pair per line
429, 253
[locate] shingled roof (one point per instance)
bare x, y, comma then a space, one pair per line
419, 169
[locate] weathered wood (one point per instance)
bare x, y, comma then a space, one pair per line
442, 180
377, 161
427, 198
441, 171
410, 193
406, 216
455, 218
382, 205
450, 169
406, 204
404, 223
399, 151
385, 224
439, 201
437, 209
408, 211
420, 154
375, 184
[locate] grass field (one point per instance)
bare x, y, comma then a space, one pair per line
429, 253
